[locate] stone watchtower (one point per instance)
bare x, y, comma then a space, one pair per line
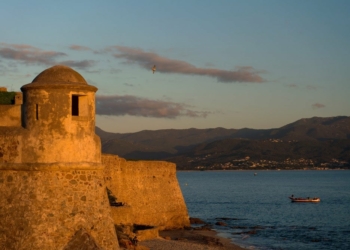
59, 112
52, 194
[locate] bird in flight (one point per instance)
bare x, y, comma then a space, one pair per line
154, 68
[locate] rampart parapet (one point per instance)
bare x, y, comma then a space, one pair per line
148, 192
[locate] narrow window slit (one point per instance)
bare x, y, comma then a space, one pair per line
37, 111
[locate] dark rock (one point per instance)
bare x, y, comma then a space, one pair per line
211, 241
225, 218
196, 221
239, 227
126, 244
220, 223
81, 241
205, 227
251, 232
245, 232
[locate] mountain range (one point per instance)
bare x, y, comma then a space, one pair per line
318, 138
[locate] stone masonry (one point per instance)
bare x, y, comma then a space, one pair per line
52, 190
55, 183
149, 191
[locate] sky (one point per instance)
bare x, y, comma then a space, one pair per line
225, 63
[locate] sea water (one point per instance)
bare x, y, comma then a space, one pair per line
258, 214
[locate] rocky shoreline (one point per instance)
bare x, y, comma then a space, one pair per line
189, 239
200, 236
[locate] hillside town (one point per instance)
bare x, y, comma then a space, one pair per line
288, 164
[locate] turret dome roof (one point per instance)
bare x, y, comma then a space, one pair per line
59, 74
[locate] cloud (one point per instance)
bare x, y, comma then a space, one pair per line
79, 64
28, 54
318, 105
165, 65
79, 47
117, 105
292, 85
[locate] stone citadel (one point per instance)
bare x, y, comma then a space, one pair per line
57, 190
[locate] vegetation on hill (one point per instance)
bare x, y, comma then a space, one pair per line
307, 142
264, 154
7, 97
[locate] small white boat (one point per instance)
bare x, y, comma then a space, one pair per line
308, 199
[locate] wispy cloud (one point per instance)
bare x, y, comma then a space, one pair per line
165, 65
117, 105
79, 64
318, 105
292, 85
31, 55
79, 47
28, 54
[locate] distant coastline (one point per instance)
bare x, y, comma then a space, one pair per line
320, 143
259, 170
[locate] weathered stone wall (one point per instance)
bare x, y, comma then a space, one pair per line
57, 135
10, 115
19, 145
52, 190
11, 144
150, 190
51, 209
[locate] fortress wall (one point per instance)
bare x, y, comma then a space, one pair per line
11, 145
45, 209
150, 190
52, 190
10, 115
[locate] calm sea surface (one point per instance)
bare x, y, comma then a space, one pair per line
259, 214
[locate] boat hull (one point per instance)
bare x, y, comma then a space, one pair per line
305, 199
